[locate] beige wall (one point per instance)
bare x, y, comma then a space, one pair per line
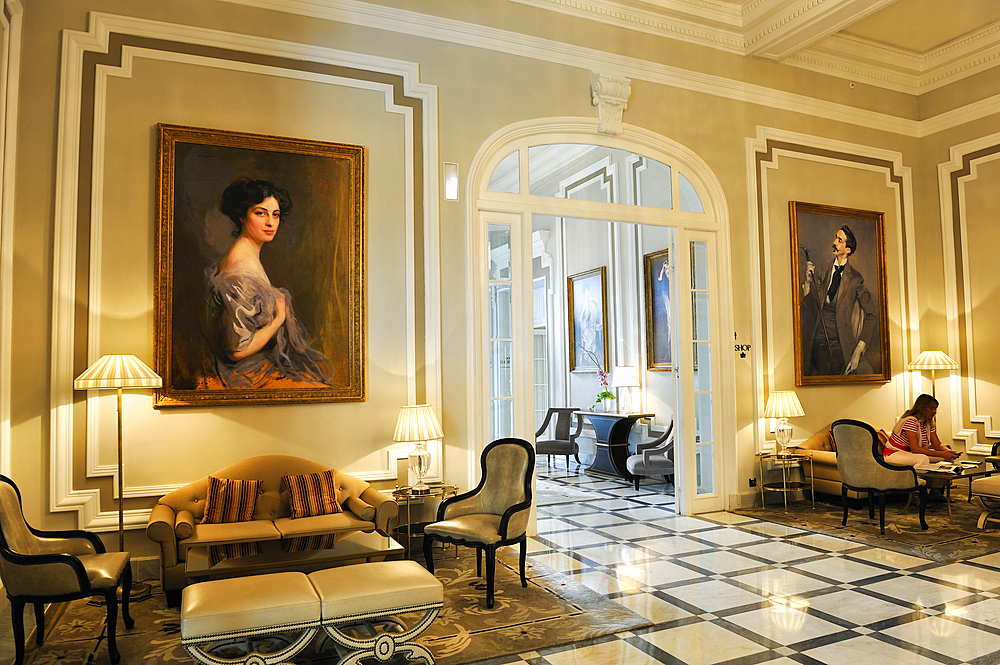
478, 91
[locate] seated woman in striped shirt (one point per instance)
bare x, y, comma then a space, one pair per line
914, 437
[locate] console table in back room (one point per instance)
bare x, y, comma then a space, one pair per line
611, 431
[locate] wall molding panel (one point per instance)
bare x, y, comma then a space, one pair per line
764, 154
953, 176
109, 50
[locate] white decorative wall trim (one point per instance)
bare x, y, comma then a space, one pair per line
953, 175
610, 95
355, 12
763, 155
10, 81
63, 496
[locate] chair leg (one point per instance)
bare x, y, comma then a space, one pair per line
479, 562
881, 513
567, 462
127, 597
111, 600
491, 564
871, 506
635, 480
843, 495
429, 552
524, 556
576, 456
39, 623
17, 617
923, 507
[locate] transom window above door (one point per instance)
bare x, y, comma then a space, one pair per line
597, 173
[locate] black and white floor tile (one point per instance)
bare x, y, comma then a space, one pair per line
724, 589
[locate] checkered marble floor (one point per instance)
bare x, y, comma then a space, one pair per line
724, 589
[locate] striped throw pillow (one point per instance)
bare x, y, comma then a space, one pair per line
312, 494
231, 500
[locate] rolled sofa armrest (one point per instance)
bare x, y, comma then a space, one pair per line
160, 529
184, 524
386, 509
363, 510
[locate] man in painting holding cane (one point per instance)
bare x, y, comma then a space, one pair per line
838, 314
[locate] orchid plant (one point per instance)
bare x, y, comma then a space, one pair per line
602, 376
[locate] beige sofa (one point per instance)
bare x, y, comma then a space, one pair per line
175, 522
821, 449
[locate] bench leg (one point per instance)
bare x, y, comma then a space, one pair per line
203, 651
386, 644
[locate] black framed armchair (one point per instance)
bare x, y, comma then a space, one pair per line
40, 567
863, 470
493, 514
563, 442
653, 458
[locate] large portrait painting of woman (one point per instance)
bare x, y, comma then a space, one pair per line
260, 269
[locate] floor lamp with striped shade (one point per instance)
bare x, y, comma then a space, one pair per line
119, 372
933, 360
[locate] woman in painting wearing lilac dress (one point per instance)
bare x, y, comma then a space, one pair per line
256, 339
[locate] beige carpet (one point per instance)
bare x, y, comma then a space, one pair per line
551, 611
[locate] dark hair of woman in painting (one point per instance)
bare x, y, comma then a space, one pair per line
256, 339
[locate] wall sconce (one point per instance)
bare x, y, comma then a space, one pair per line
450, 181
783, 404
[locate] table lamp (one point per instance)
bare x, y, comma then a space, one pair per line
627, 378
783, 404
119, 372
933, 360
418, 424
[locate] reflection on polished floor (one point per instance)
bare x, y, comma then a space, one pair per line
728, 589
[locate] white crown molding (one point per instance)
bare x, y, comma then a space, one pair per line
63, 497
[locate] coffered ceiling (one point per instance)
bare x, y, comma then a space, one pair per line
906, 45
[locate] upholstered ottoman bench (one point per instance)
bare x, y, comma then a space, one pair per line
372, 594
235, 612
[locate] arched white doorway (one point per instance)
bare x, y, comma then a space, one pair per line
705, 418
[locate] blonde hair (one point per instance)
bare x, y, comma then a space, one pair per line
920, 406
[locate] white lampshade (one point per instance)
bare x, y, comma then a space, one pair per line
417, 423
625, 377
933, 360
118, 371
783, 404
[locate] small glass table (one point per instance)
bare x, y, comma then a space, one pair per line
405, 497
784, 459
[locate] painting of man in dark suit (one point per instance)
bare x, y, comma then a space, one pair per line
840, 322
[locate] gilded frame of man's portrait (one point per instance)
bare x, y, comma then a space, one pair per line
656, 271
838, 295
588, 320
315, 258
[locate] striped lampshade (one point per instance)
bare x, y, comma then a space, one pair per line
417, 423
783, 404
933, 360
118, 371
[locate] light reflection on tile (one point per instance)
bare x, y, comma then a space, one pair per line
721, 562
672, 545
612, 553
655, 609
939, 634
985, 612
558, 561
703, 643
656, 573
856, 607
576, 538
714, 595
888, 558
629, 531
840, 569
598, 519
784, 624
779, 551
920, 592
601, 654
780, 582
867, 650
603, 583
727, 536
825, 542
970, 576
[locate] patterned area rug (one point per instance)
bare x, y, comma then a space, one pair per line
943, 541
553, 610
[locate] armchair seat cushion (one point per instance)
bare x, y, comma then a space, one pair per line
320, 524
479, 528
223, 534
104, 570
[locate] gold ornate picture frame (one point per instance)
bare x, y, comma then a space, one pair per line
588, 321
840, 333
656, 272
316, 259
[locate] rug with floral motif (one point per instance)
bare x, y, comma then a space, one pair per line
553, 610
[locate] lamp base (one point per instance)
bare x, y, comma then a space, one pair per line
783, 435
420, 488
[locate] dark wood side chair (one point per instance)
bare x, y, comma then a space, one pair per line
653, 458
863, 470
40, 567
493, 514
563, 442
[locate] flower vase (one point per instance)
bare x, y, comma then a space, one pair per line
609, 404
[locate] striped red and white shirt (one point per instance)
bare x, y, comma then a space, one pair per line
899, 441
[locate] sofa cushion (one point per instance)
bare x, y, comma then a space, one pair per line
217, 534
231, 500
320, 524
822, 440
312, 494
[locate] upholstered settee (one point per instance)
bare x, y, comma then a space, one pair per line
821, 448
177, 523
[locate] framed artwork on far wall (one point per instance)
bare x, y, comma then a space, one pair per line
260, 269
656, 270
588, 321
839, 295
